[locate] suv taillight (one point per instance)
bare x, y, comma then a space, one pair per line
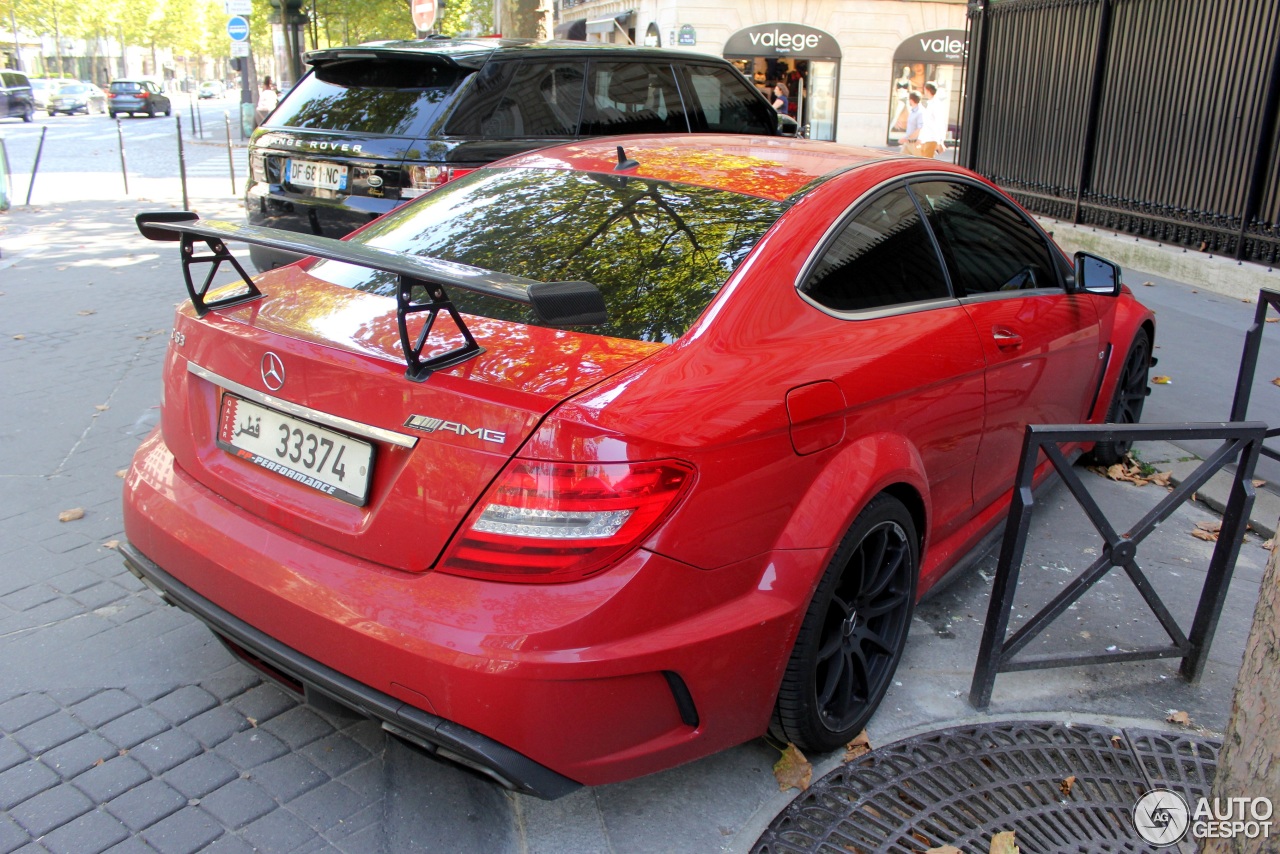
545, 522
419, 179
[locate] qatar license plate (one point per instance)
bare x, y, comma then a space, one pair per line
322, 176
313, 456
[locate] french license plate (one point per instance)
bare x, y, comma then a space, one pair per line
323, 176
322, 459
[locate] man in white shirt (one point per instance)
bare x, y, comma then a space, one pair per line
934, 133
915, 124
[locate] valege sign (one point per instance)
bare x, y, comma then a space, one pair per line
782, 39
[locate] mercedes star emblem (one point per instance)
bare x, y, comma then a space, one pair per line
272, 371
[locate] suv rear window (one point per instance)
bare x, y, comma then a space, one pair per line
392, 96
659, 252
129, 88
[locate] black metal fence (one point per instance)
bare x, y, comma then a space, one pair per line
1157, 118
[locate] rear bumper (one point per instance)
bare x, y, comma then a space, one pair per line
646, 666
266, 205
444, 738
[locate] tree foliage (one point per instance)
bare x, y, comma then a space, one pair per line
466, 18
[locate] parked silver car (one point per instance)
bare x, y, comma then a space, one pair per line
75, 98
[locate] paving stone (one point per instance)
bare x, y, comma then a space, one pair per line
184, 832
229, 843
69, 695
24, 710
102, 593
298, 726
336, 754
11, 834
184, 704
232, 681
91, 833
132, 845
327, 805
238, 803
197, 777
134, 728
215, 726
24, 781
264, 702
48, 733
11, 754
106, 781
167, 750
279, 831
369, 735
251, 748
49, 809
79, 755
76, 579
288, 777
104, 707
147, 804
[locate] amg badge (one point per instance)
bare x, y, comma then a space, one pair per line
432, 425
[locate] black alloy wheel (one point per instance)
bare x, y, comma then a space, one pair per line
151, 112
1129, 398
30, 114
853, 633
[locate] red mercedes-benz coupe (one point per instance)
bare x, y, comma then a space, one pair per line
605, 458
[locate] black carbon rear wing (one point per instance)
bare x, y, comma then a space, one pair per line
421, 286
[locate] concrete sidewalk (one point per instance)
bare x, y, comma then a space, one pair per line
125, 724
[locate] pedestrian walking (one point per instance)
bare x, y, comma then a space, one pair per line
268, 97
915, 123
933, 134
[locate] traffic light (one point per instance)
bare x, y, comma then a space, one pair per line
237, 63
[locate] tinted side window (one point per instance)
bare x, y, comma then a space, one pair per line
989, 245
881, 257
632, 97
724, 102
389, 96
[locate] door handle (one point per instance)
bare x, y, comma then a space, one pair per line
1006, 339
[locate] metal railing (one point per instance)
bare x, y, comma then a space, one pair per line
1158, 118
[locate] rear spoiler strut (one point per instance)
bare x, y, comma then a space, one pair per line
421, 287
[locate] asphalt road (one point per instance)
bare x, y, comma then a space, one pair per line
91, 145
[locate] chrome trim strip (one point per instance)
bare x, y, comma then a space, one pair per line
369, 432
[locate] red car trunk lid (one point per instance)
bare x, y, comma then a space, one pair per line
436, 445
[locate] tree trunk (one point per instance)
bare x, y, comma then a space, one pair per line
1249, 765
527, 19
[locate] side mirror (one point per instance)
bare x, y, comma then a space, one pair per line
1097, 275
788, 126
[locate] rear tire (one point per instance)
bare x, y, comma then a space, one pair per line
1127, 401
853, 632
29, 115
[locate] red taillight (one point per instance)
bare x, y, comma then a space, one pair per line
421, 179
544, 522
144, 95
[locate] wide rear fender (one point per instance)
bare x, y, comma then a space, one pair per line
857, 472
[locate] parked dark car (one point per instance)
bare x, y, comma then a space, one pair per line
16, 98
137, 96
373, 125
74, 98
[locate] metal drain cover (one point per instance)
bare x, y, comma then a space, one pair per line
962, 786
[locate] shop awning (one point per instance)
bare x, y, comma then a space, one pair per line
601, 26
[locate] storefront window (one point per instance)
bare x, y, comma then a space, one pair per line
935, 57
796, 67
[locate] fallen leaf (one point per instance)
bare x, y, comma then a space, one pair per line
1117, 472
102, 407
19, 337
1258, 484
1161, 478
111, 544
793, 771
122, 472
1162, 380
1275, 381
860, 745
1214, 527
944, 849
253, 722
1065, 786
1207, 536
1269, 319
1148, 284
99, 762
86, 312
1003, 843
1117, 742
71, 515
1269, 544
1179, 718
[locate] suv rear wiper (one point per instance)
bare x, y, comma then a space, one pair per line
421, 287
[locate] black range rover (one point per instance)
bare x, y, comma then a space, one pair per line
371, 126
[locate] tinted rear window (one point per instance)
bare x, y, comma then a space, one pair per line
126, 87
393, 97
658, 251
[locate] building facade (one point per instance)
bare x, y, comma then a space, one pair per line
848, 65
